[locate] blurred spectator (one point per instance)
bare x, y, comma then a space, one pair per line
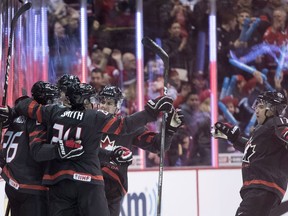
63, 53
118, 17
60, 11
178, 154
198, 126
272, 5
204, 98
97, 35
226, 36
96, 79
184, 91
174, 79
178, 50
129, 69
152, 159
199, 82
277, 33
175, 11
243, 4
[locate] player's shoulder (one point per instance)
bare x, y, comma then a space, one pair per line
280, 121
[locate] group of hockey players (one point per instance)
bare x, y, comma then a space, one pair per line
66, 151
62, 144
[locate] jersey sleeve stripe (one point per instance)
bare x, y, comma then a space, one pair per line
26, 186
38, 114
115, 177
267, 184
119, 129
30, 108
108, 125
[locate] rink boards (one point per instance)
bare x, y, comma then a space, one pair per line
191, 192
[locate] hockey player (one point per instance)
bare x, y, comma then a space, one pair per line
63, 83
24, 145
115, 176
77, 185
264, 168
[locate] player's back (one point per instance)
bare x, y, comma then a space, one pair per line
78, 125
21, 171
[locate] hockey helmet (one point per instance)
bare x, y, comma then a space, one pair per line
44, 92
67, 80
111, 92
273, 100
77, 93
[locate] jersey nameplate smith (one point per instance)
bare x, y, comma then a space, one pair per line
73, 114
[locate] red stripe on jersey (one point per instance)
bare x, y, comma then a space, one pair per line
39, 140
149, 138
24, 186
34, 133
268, 184
108, 125
115, 177
120, 127
70, 172
38, 114
31, 107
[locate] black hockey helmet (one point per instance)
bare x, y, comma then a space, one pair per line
67, 80
44, 92
77, 93
111, 92
274, 101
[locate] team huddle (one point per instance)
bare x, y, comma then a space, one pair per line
66, 151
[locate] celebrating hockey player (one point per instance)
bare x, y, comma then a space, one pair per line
264, 168
115, 176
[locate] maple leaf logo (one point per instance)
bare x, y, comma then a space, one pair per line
249, 151
107, 144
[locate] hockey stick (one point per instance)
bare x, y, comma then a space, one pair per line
21, 10
147, 42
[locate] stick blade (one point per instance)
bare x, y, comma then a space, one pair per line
149, 43
21, 10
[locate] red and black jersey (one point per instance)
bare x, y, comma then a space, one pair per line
21, 171
265, 159
87, 126
142, 138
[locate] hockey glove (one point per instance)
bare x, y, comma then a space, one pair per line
226, 131
121, 156
69, 149
174, 121
155, 106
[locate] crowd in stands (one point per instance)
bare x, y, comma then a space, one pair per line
252, 36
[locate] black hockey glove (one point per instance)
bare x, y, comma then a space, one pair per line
162, 103
231, 132
121, 156
174, 120
68, 149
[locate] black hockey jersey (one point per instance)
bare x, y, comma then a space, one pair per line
88, 126
265, 158
141, 138
21, 171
